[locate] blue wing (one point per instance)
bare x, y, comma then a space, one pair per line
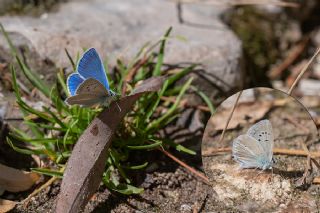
73, 82
90, 66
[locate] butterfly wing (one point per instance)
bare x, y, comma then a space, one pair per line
92, 86
262, 132
247, 152
86, 100
89, 93
73, 82
91, 66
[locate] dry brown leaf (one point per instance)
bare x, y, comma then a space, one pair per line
14, 180
6, 205
244, 113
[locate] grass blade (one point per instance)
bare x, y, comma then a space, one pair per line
205, 98
48, 172
157, 69
148, 146
156, 124
136, 167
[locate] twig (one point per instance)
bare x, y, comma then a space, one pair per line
184, 103
214, 151
230, 116
303, 128
316, 180
294, 53
277, 151
183, 164
303, 71
308, 169
242, 2
35, 192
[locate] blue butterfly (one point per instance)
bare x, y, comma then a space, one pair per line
254, 149
89, 86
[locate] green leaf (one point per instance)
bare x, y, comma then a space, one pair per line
35, 131
166, 84
24, 151
172, 79
128, 189
48, 172
33, 78
151, 109
61, 81
115, 158
180, 148
148, 146
156, 124
55, 118
12, 48
157, 69
122, 188
205, 98
144, 165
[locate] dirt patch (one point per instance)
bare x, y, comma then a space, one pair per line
167, 189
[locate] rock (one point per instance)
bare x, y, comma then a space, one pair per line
305, 203
120, 28
253, 189
185, 208
309, 87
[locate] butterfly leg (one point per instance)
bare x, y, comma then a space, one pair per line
271, 179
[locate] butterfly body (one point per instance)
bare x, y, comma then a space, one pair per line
254, 149
89, 86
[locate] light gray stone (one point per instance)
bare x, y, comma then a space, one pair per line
120, 28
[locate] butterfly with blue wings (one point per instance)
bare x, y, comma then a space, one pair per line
89, 86
254, 149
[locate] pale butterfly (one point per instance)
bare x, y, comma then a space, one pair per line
89, 85
254, 149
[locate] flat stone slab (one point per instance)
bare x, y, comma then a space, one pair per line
120, 28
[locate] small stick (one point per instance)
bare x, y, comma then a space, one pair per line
303, 71
303, 128
294, 53
35, 192
316, 180
308, 168
243, 2
230, 116
183, 164
184, 103
277, 151
214, 151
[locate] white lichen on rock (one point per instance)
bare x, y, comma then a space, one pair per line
234, 186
